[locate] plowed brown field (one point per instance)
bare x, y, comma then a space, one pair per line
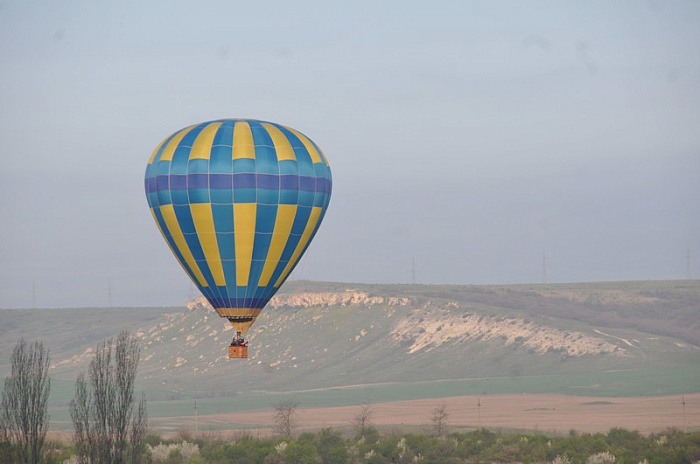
545, 413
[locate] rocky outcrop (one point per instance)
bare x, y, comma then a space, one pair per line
432, 326
427, 329
308, 300
200, 303
346, 298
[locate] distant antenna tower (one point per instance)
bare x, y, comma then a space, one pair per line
109, 292
33, 294
413, 270
544, 267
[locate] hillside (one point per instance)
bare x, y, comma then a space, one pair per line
326, 335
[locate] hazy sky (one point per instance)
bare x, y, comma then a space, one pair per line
471, 136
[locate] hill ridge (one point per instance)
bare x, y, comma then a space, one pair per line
330, 335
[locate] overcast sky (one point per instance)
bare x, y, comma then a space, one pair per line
473, 137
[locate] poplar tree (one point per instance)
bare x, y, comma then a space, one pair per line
24, 417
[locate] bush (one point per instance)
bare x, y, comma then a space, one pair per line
173, 453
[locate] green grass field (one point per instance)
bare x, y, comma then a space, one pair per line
628, 383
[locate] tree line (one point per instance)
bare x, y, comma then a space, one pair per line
332, 446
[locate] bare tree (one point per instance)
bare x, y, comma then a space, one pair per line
362, 420
285, 417
107, 429
439, 420
24, 415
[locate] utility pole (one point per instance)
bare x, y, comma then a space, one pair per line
685, 423
478, 408
196, 422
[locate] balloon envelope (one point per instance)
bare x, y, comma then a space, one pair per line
238, 202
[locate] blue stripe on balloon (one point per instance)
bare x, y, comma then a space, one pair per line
178, 165
304, 163
244, 181
221, 196
289, 167
180, 197
242, 165
163, 189
289, 197
198, 166
221, 181
177, 182
245, 195
265, 218
229, 266
289, 182
197, 181
227, 249
265, 155
268, 181
199, 196
224, 137
223, 219
307, 184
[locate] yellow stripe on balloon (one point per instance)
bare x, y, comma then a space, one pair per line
244, 238
280, 235
204, 225
323, 155
155, 152
243, 145
315, 158
303, 241
155, 218
201, 148
174, 230
282, 146
169, 150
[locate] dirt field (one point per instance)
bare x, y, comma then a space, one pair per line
545, 413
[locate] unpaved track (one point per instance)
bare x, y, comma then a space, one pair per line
545, 413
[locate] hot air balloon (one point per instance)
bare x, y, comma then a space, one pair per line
238, 201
